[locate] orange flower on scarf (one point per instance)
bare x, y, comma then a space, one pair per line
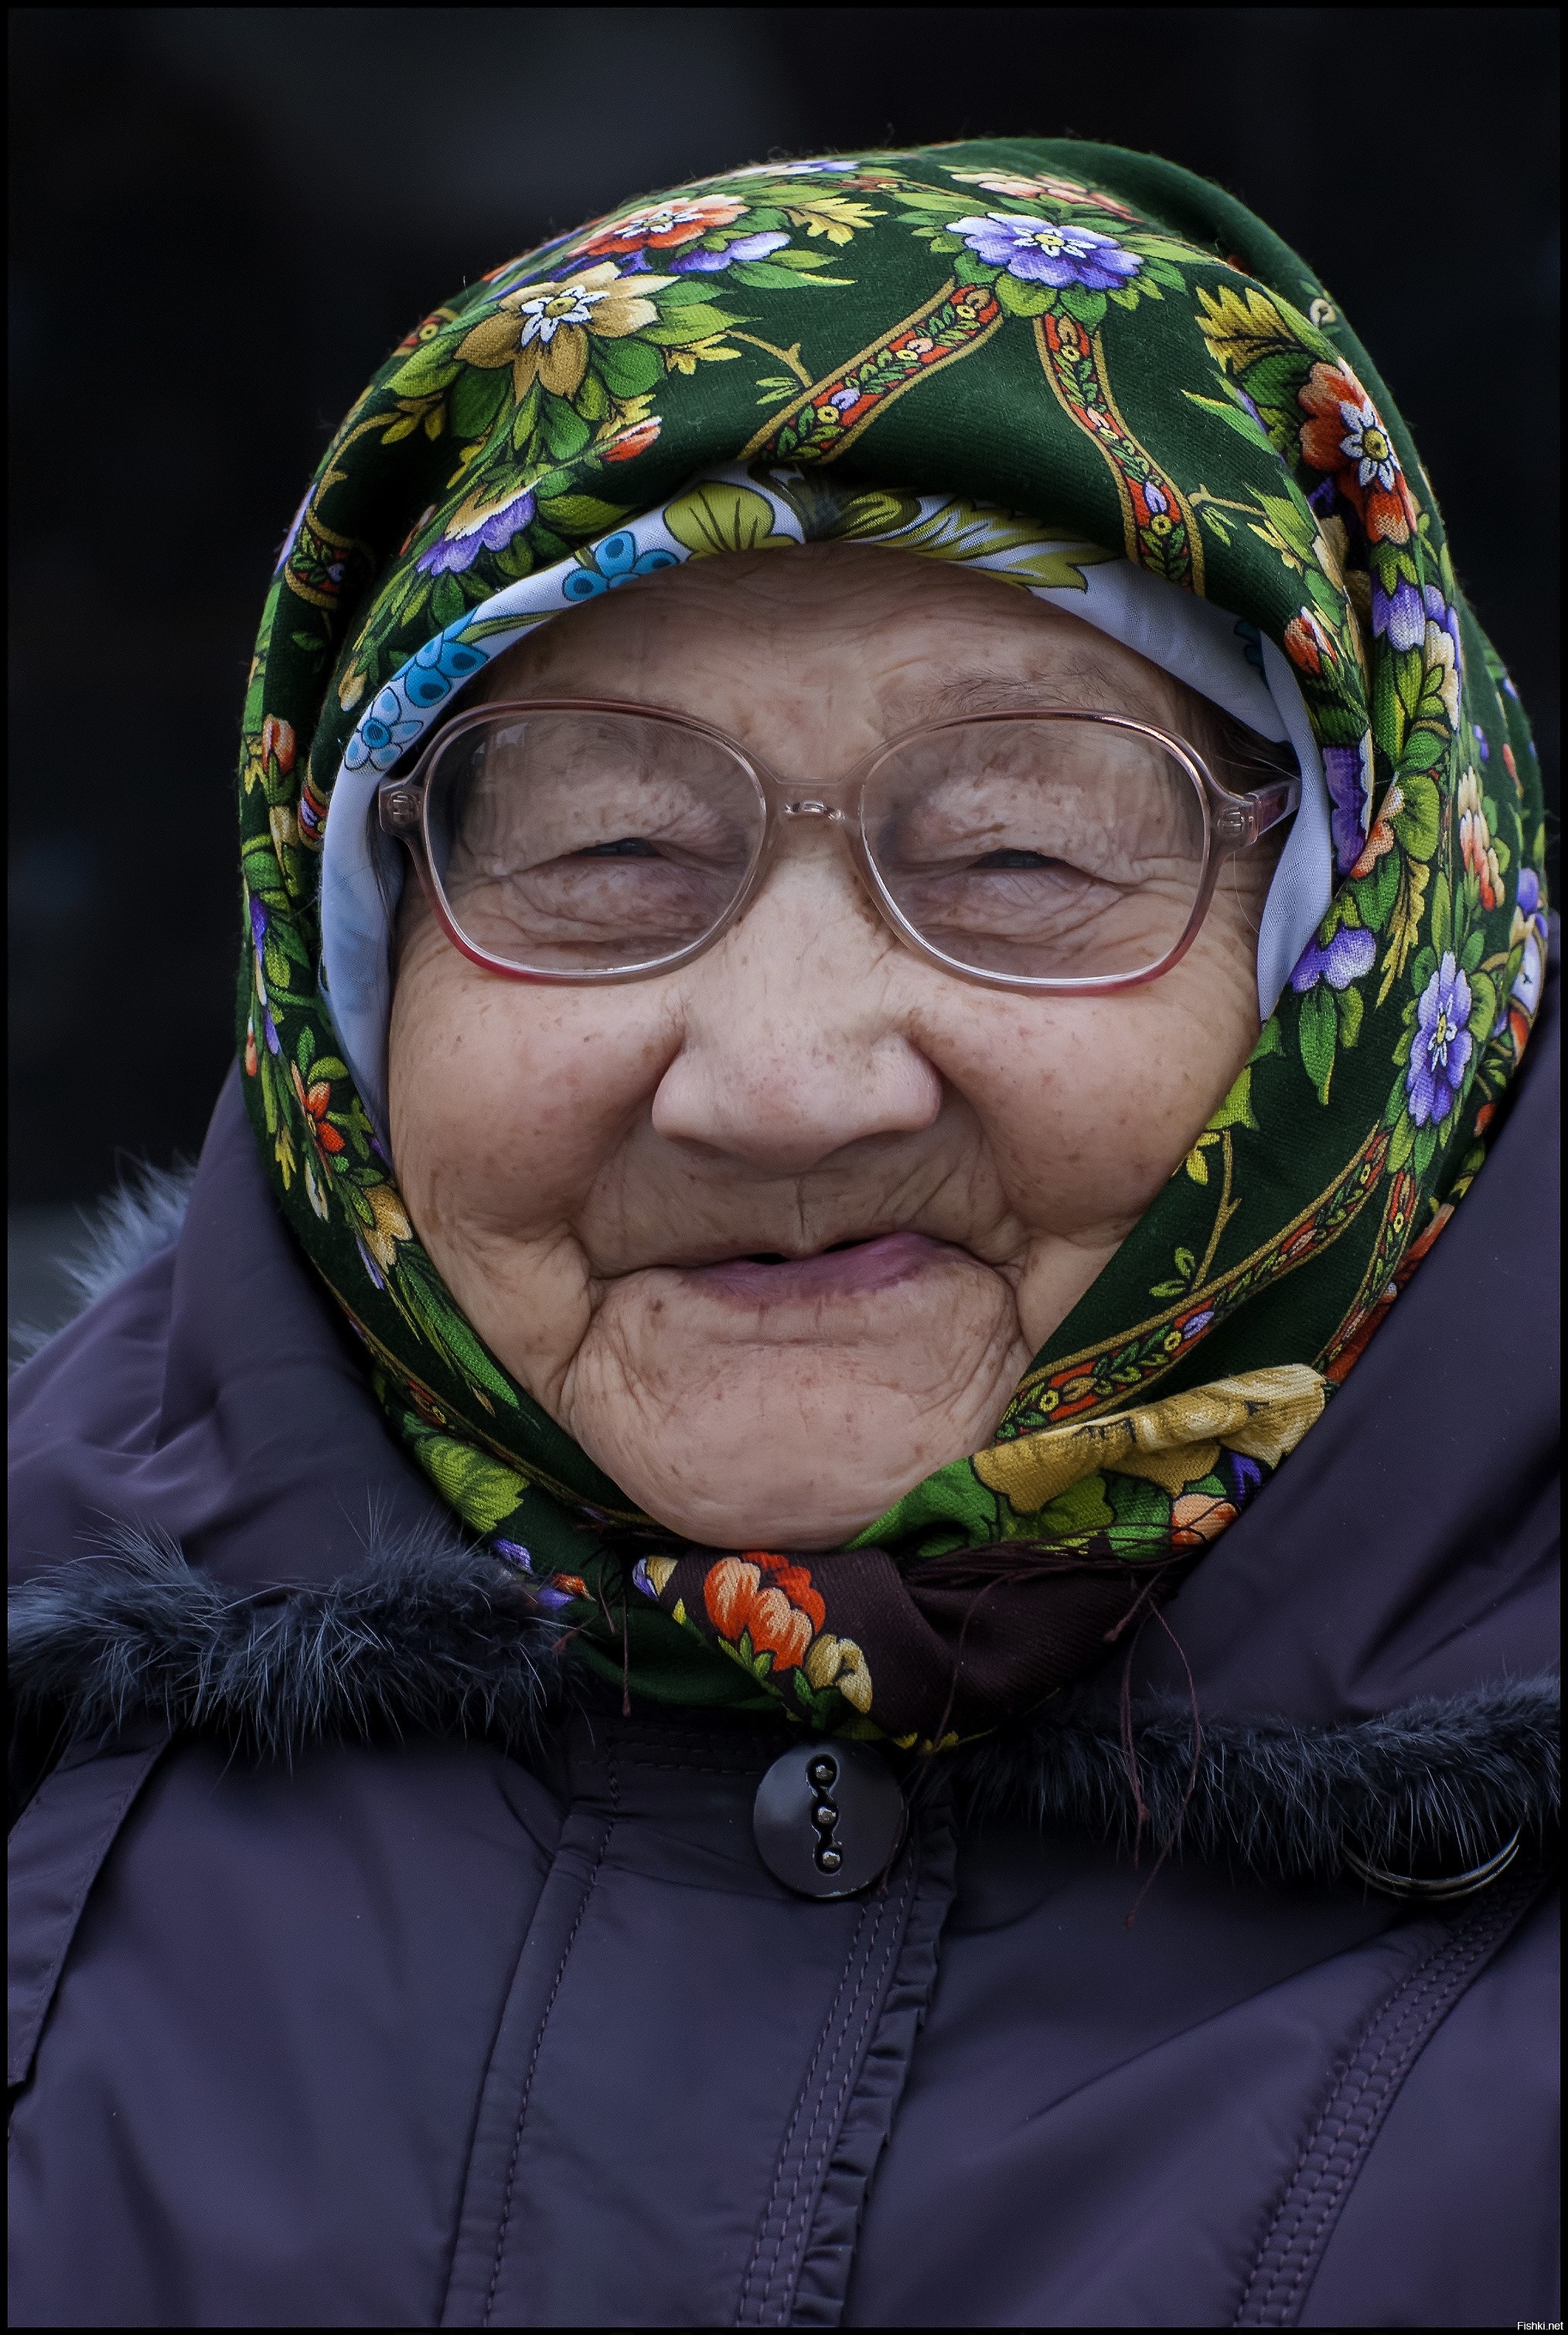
769, 1597
1347, 439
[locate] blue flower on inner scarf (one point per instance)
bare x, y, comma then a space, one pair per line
1349, 772
616, 561
1482, 747
1348, 956
479, 523
1039, 252
1442, 1044
382, 733
436, 666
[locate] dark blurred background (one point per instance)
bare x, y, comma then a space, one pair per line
223, 217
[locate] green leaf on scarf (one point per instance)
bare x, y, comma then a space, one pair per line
718, 516
1417, 820
447, 602
1441, 926
1236, 1110
1296, 526
477, 400
1483, 1006
1474, 950
1079, 1513
1088, 307
1318, 1037
1024, 299
1374, 893
1424, 749
1239, 328
1235, 417
686, 292
580, 515
698, 323
480, 1488
1402, 1141
566, 432
593, 401
429, 370
1348, 1005
773, 275
627, 367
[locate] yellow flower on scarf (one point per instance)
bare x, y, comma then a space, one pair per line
542, 330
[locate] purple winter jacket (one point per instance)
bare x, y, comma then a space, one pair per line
369, 1972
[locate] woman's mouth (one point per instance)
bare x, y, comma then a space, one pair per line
850, 1269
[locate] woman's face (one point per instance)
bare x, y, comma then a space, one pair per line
938, 1169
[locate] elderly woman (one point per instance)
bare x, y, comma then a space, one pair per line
893, 915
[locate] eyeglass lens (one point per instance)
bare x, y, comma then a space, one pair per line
1042, 848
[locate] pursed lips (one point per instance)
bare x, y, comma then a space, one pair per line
856, 1267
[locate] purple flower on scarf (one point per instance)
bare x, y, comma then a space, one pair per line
1038, 251
1529, 980
1479, 735
1348, 956
1401, 615
477, 527
1349, 772
1245, 1476
1442, 1044
1446, 618
1529, 891
696, 261
257, 923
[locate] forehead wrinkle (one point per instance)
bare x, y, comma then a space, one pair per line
1077, 681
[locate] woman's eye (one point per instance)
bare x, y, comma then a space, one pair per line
1015, 859
629, 846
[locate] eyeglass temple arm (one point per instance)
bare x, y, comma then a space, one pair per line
1242, 820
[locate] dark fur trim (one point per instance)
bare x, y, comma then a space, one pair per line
432, 1635
1436, 1784
117, 1238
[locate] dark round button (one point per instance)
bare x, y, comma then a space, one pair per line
829, 1819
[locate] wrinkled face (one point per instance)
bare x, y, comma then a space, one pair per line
774, 1235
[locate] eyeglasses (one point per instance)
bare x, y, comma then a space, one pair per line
576, 840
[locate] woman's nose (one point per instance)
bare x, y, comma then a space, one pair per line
792, 1046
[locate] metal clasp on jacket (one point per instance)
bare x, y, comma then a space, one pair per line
1436, 1889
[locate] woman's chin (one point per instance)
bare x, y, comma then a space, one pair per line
781, 1427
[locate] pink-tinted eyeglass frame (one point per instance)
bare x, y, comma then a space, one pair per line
1231, 822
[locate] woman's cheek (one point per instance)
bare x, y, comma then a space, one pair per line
514, 1098
1087, 1104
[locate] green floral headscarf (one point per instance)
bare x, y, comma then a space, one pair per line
1121, 354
